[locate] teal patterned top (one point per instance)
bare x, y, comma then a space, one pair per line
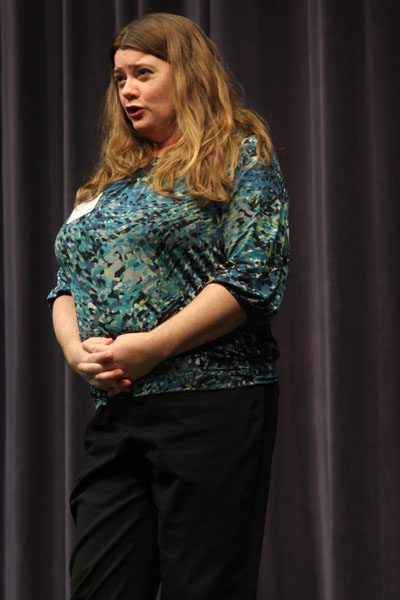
132, 258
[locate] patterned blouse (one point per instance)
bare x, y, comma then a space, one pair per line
132, 258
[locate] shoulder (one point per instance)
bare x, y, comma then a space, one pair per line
252, 166
248, 148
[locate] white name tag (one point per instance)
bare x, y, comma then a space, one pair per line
83, 209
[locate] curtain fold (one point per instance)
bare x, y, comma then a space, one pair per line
324, 76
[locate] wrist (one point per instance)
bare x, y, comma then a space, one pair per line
159, 344
72, 353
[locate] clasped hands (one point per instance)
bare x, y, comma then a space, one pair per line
112, 365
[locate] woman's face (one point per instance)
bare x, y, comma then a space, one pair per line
145, 90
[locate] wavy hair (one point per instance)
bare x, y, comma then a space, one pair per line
210, 116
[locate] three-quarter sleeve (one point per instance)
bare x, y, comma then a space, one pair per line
254, 225
62, 287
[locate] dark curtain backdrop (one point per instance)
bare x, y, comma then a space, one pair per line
324, 74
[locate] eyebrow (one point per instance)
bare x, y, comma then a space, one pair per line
133, 67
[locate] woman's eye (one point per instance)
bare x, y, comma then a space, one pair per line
144, 72
119, 79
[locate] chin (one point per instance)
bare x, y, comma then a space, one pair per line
142, 131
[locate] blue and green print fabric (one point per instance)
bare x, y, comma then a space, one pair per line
132, 258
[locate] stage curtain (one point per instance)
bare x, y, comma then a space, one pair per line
324, 75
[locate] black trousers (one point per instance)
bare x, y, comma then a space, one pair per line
174, 489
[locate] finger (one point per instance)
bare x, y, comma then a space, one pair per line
96, 343
98, 340
99, 357
94, 369
120, 385
94, 348
99, 386
109, 376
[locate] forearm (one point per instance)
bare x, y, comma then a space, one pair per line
65, 325
212, 314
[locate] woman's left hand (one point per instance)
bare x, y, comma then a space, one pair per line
135, 354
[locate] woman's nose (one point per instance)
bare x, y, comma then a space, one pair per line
130, 89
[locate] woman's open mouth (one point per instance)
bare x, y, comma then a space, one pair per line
134, 111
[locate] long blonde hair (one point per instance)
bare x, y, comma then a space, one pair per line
210, 115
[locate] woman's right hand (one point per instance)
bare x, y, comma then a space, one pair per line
76, 354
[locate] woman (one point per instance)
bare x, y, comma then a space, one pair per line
172, 265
